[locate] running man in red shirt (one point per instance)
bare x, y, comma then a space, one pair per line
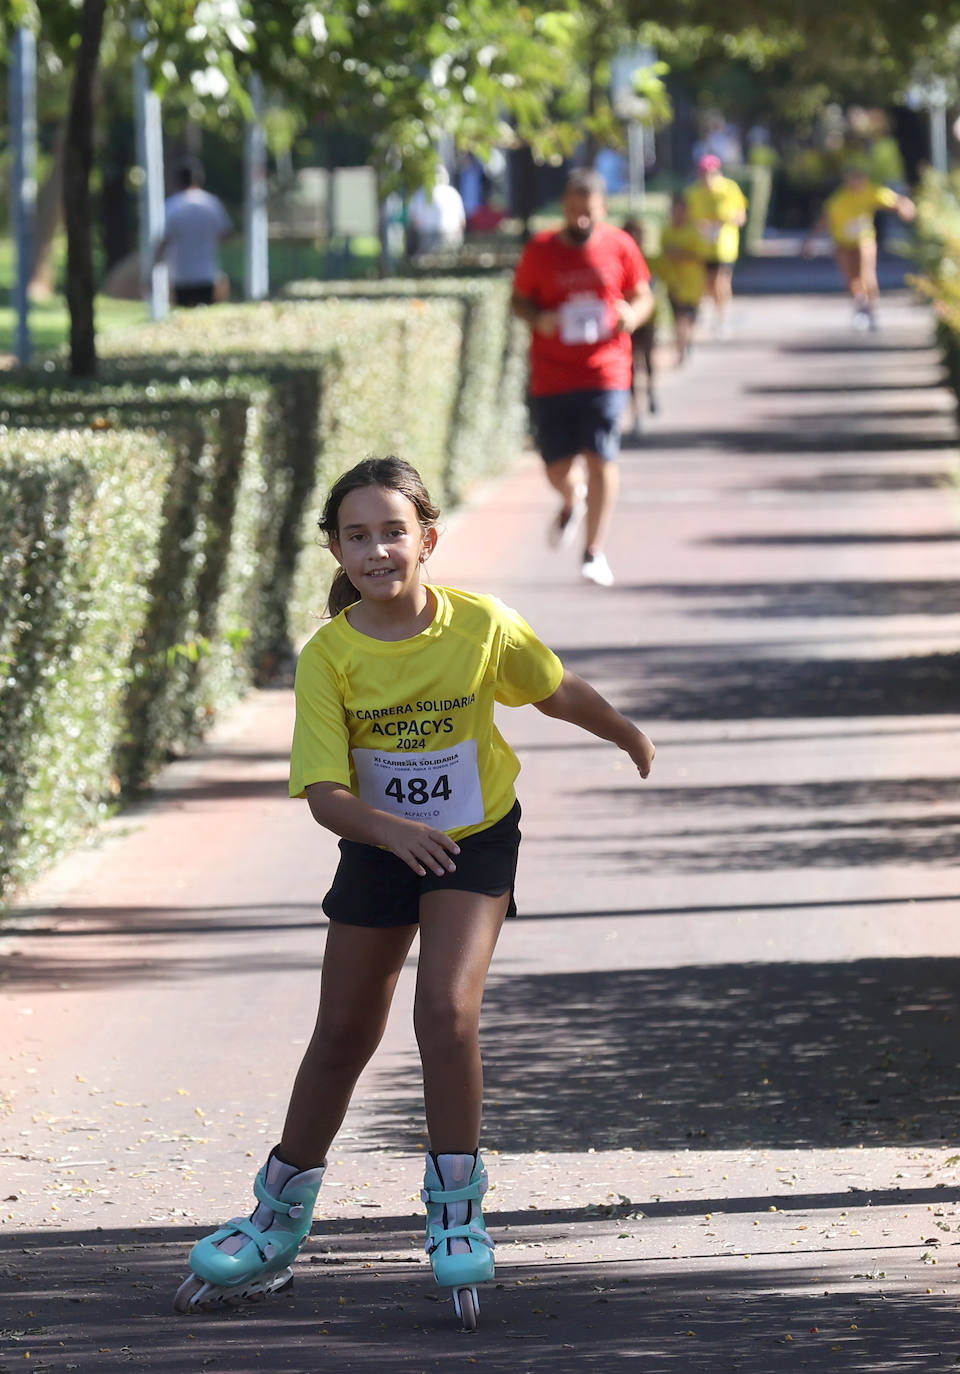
583, 289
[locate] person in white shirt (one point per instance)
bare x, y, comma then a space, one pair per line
195, 223
438, 220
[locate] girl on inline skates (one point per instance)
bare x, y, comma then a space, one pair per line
396, 751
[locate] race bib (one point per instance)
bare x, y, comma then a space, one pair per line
857, 228
710, 229
583, 320
441, 789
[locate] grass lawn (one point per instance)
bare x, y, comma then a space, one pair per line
50, 322
289, 261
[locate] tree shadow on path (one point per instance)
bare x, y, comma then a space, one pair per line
99, 1299
769, 1055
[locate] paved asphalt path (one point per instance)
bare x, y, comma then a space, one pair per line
721, 1040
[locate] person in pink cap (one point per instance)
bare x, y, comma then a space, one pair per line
718, 209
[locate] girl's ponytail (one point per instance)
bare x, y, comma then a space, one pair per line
342, 593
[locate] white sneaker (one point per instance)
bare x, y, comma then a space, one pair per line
564, 525
596, 569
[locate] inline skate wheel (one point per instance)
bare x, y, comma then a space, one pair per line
467, 1306
188, 1290
196, 1295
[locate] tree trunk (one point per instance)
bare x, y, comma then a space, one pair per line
49, 215
522, 182
78, 154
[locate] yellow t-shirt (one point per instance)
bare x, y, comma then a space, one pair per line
851, 209
684, 277
713, 211
408, 725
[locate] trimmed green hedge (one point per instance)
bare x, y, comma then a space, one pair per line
80, 522
256, 438
217, 564
391, 379
936, 250
489, 420
158, 528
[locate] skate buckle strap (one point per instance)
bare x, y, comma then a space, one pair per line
471, 1231
245, 1227
470, 1193
291, 1209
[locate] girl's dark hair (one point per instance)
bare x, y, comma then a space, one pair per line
394, 475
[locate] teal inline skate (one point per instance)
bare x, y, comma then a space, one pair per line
458, 1243
251, 1257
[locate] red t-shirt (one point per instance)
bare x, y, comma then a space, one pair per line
582, 284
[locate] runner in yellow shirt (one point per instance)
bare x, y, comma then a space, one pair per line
683, 272
718, 208
848, 215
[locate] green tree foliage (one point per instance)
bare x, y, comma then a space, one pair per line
813, 49
408, 74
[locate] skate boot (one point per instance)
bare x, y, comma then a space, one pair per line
251, 1257
458, 1243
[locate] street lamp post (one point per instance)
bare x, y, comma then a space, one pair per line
149, 138
256, 265
23, 198
634, 110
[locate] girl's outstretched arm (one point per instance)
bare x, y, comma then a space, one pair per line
579, 703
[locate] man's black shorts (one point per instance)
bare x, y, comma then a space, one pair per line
578, 422
372, 887
190, 294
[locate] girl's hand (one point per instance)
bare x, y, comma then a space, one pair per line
641, 750
420, 846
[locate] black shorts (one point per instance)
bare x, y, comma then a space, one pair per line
193, 293
578, 422
684, 310
372, 887
643, 339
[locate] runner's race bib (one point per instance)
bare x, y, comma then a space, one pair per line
857, 228
710, 229
583, 320
441, 789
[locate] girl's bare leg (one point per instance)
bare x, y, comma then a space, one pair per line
868, 271
723, 288
683, 329
361, 966
458, 934
848, 260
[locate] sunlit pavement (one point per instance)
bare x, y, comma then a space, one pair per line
721, 1040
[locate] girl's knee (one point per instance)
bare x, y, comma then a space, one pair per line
445, 1023
342, 1044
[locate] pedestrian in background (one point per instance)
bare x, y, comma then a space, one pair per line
437, 219
195, 223
718, 209
683, 272
583, 289
644, 341
850, 217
